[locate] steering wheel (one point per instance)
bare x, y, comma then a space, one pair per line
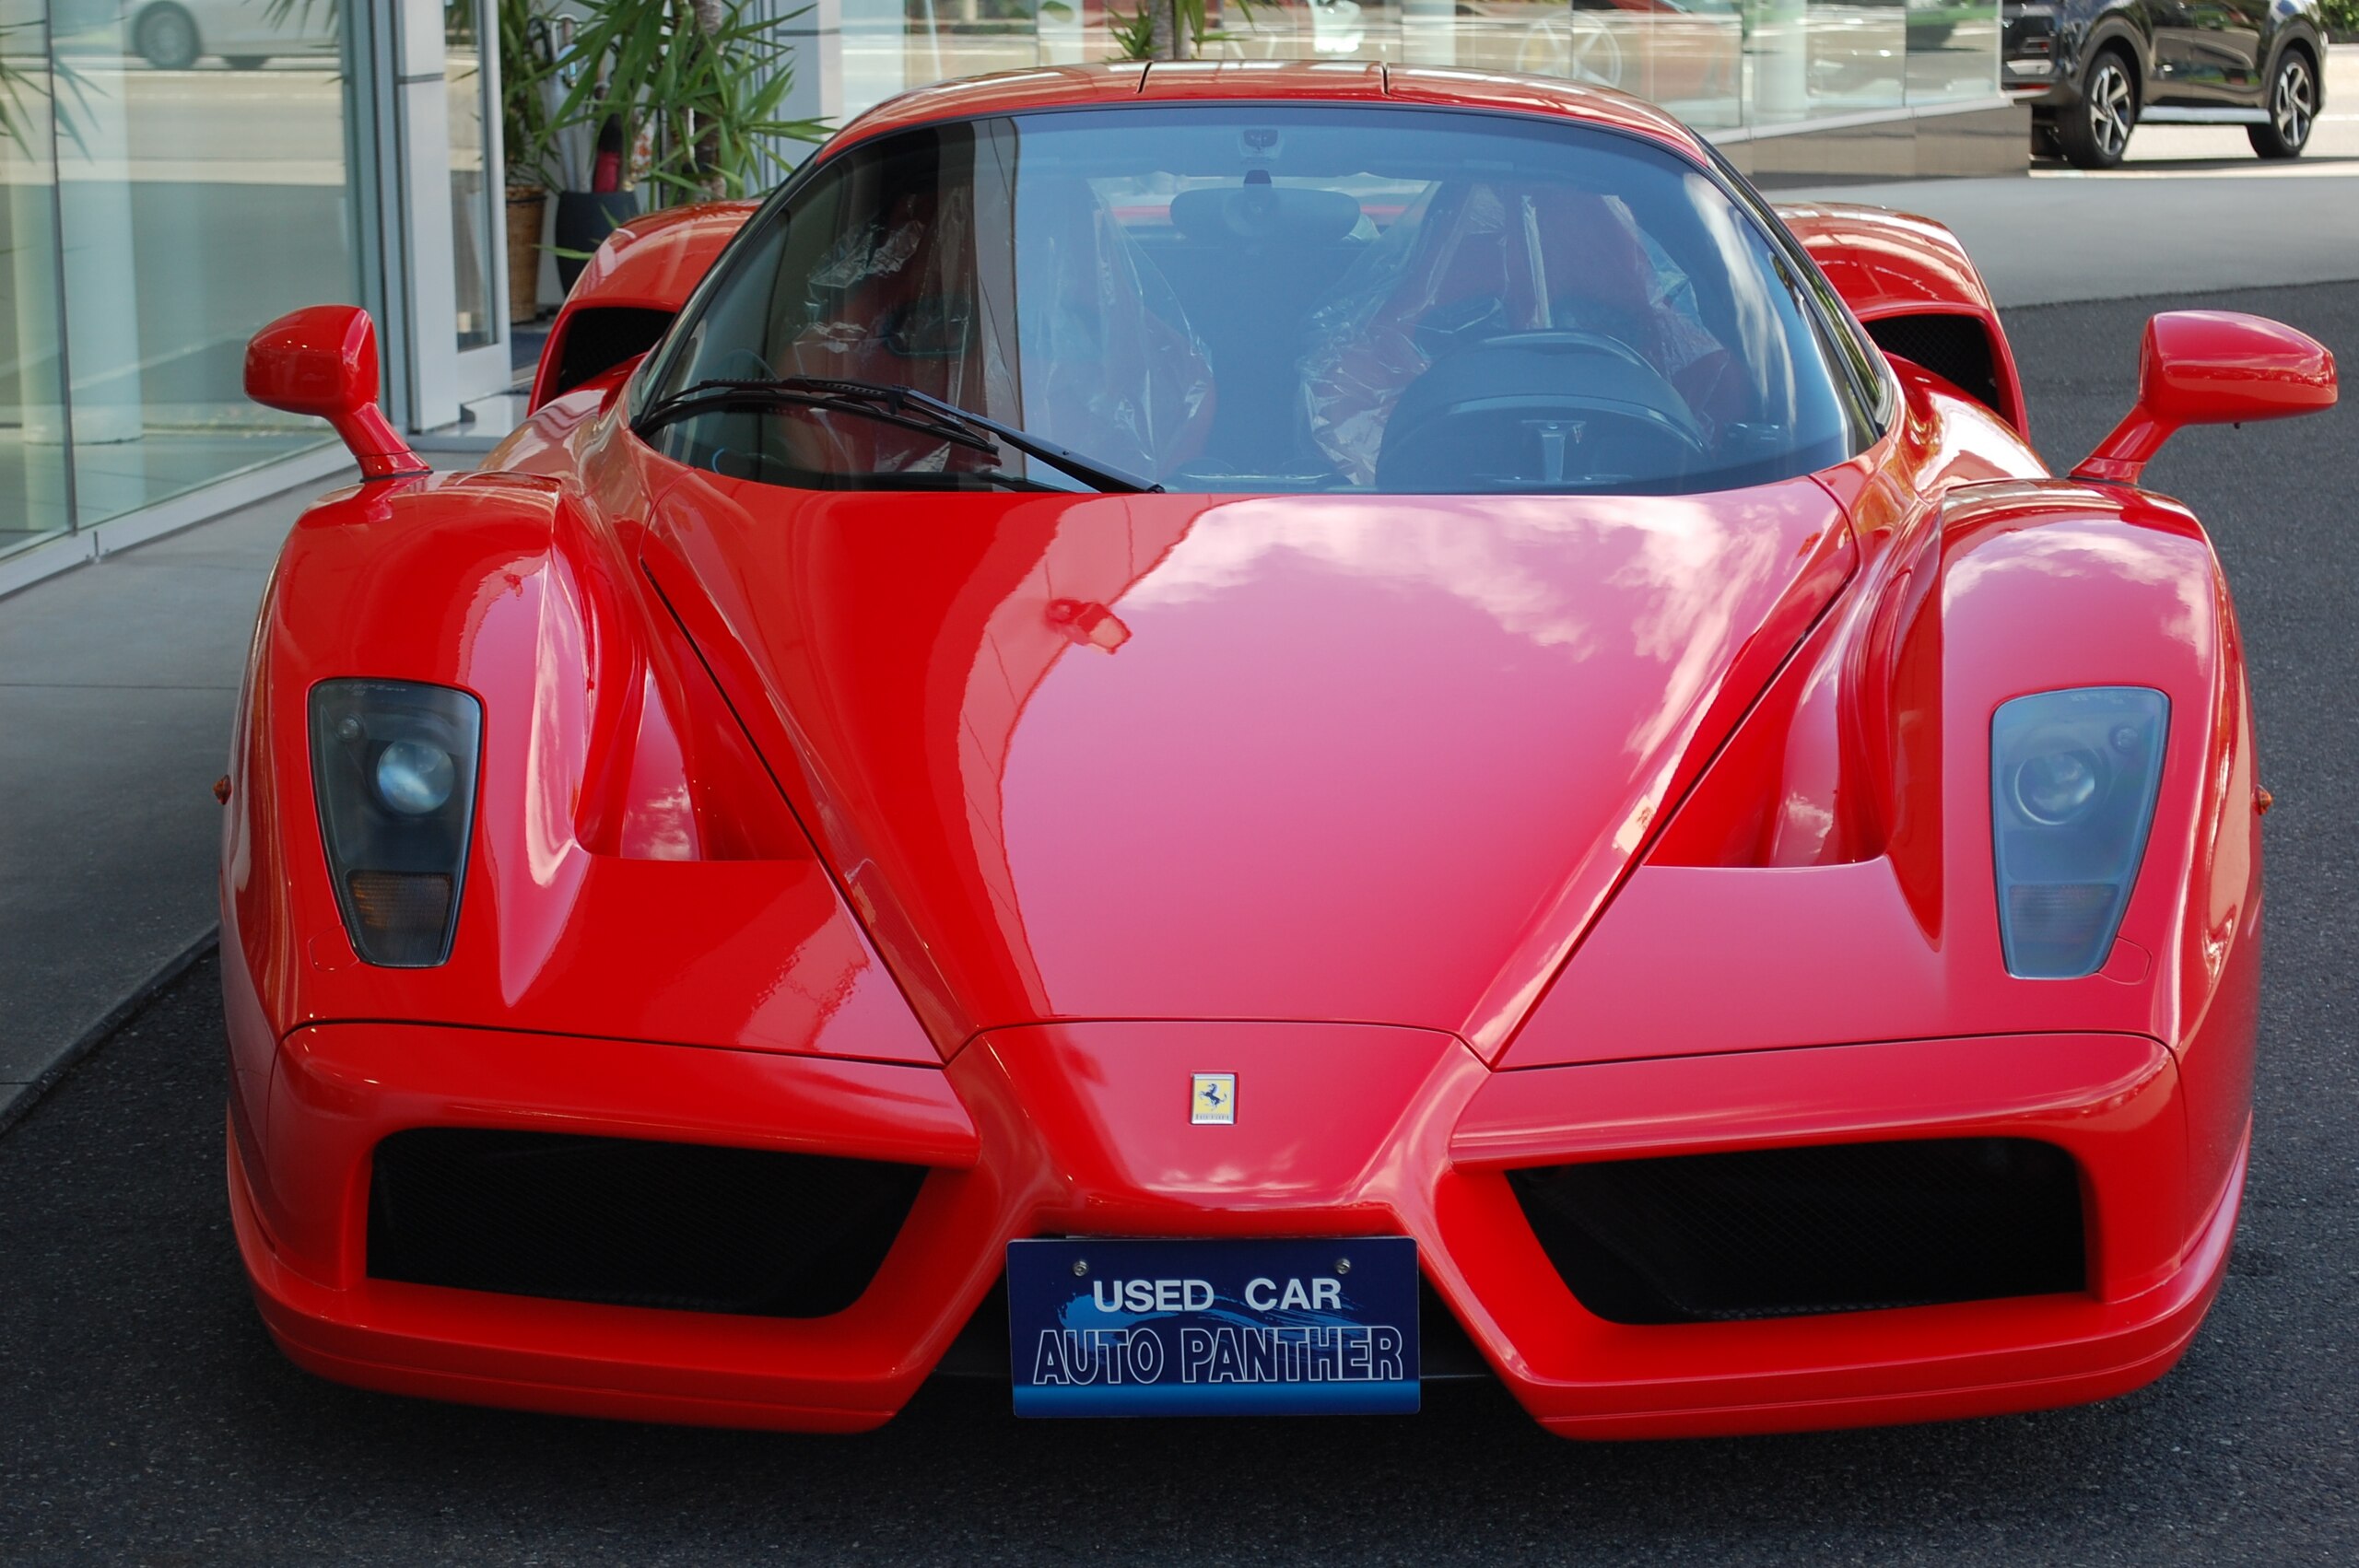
1556, 409
1560, 339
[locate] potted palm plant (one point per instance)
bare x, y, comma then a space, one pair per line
527, 66
684, 98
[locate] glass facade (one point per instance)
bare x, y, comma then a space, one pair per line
34, 502
1719, 64
177, 175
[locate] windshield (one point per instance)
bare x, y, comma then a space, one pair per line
1326, 298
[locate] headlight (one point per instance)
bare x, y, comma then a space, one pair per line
2073, 776
393, 768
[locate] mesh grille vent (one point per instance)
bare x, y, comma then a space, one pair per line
1956, 348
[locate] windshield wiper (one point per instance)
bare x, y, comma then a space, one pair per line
892, 405
798, 392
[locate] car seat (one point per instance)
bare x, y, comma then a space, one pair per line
1485, 257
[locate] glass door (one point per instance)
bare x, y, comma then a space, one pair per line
478, 230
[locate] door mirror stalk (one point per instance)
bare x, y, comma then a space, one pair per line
322, 360
2211, 367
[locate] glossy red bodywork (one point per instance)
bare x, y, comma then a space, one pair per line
1471, 831
321, 361
648, 263
1887, 264
2211, 367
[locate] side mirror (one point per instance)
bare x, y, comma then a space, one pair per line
322, 360
2211, 367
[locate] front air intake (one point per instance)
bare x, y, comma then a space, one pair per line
1780, 1233
632, 1223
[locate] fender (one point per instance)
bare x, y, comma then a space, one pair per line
2009, 586
2076, 45
2297, 33
611, 774
1919, 294
634, 284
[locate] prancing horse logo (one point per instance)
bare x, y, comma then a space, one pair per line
1212, 1100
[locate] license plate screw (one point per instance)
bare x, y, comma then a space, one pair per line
1080, 1267
1343, 1266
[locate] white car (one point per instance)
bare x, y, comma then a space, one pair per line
173, 35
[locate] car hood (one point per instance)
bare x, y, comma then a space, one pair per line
1356, 759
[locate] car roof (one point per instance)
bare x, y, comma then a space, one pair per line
1286, 81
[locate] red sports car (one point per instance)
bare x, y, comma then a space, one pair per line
1219, 738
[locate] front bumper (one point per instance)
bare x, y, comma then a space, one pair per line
1340, 1131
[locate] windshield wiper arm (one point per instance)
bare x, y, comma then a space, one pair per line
887, 400
1088, 470
798, 392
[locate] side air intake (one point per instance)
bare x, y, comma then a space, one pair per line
1780, 1233
599, 337
1955, 348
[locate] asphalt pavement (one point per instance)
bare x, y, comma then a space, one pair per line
146, 1418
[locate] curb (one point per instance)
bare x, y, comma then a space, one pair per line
2006, 311
30, 1094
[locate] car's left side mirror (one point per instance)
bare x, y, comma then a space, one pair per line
2211, 367
322, 360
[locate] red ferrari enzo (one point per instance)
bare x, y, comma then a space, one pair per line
1220, 738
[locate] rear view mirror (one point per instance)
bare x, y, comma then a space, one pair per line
322, 360
2211, 367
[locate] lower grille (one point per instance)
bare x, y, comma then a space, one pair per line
631, 1222
1779, 1233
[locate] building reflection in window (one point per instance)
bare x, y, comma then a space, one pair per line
176, 176
35, 503
1719, 64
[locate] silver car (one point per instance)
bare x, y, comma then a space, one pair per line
173, 35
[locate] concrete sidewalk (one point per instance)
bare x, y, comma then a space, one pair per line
2191, 210
2061, 236
117, 684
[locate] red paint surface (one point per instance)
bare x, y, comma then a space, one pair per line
1888, 263
648, 264
2211, 367
1468, 833
322, 360
1357, 758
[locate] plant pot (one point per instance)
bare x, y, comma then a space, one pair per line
526, 206
583, 218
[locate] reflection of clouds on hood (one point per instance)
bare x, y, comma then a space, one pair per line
1681, 568
1692, 577
1477, 557
2092, 550
1472, 559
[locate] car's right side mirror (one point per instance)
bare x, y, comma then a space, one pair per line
2211, 367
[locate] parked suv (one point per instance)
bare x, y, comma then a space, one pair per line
2094, 69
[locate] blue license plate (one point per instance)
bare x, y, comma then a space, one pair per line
1146, 1328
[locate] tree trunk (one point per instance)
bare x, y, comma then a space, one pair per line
1171, 38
